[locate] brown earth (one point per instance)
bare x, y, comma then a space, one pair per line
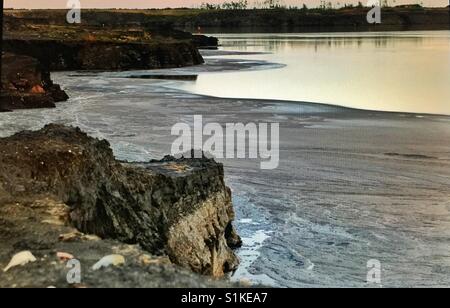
25, 83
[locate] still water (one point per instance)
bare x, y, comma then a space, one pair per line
391, 71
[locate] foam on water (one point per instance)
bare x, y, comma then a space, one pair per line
254, 232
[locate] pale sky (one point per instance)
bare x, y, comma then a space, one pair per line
177, 3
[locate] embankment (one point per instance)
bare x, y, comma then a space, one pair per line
35, 46
57, 185
255, 20
59, 55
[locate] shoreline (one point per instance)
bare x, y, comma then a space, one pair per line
261, 65
323, 109
306, 142
325, 105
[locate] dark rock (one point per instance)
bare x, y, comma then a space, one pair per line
233, 239
103, 41
26, 84
57, 55
175, 207
203, 41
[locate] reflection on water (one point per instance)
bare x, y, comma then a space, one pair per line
277, 43
395, 71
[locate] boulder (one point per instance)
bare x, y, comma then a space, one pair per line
25, 83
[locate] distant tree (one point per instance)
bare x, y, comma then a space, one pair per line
235, 5
387, 3
272, 4
324, 5
208, 6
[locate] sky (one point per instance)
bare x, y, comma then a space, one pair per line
177, 3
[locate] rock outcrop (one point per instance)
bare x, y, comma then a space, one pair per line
37, 46
25, 83
57, 55
42, 226
181, 208
104, 46
203, 41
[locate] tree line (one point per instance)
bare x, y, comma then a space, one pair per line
278, 4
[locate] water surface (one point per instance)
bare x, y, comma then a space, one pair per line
389, 71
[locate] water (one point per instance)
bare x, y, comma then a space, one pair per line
339, 197
390, 71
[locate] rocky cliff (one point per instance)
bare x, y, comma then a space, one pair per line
58, 180
25, 83
99, 47
35, 47
103, 55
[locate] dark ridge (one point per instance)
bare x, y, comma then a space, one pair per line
167, 77
253, 20
413, 156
